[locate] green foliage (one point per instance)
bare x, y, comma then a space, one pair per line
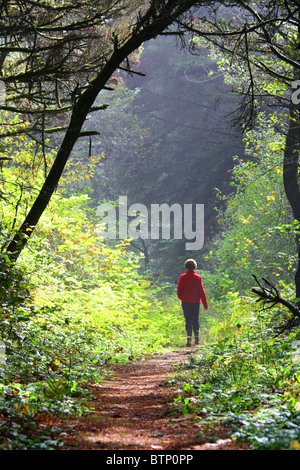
71, 336
246, 376
101, 282
73, 306
248, 379
257, 232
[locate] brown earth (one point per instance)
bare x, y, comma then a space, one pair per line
132, 410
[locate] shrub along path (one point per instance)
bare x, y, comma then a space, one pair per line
132, 411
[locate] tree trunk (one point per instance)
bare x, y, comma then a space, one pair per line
290, 175
291, 167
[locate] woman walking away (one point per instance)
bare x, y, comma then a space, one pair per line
191, 293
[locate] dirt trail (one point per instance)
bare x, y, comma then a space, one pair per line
132, 412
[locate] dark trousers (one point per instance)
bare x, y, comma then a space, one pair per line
191, 315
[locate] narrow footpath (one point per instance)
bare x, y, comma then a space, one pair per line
132, 411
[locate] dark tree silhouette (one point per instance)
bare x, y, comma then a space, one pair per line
49, 63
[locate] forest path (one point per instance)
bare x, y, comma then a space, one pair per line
132, 412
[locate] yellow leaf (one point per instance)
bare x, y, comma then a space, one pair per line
22, 408
295, 445
297, 405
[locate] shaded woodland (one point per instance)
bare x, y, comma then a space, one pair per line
185, 144
167, 101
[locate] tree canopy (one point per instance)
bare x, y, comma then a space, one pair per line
152, 19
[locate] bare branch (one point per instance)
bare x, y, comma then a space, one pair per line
269, 296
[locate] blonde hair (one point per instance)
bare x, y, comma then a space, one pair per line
190, 264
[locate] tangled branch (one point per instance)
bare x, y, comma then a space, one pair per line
269, 296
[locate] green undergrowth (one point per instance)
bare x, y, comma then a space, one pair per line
51, 356
72, 307
246, 378
76, 305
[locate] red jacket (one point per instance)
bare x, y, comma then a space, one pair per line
190, 288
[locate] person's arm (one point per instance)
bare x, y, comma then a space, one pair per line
203, 295
180, 288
